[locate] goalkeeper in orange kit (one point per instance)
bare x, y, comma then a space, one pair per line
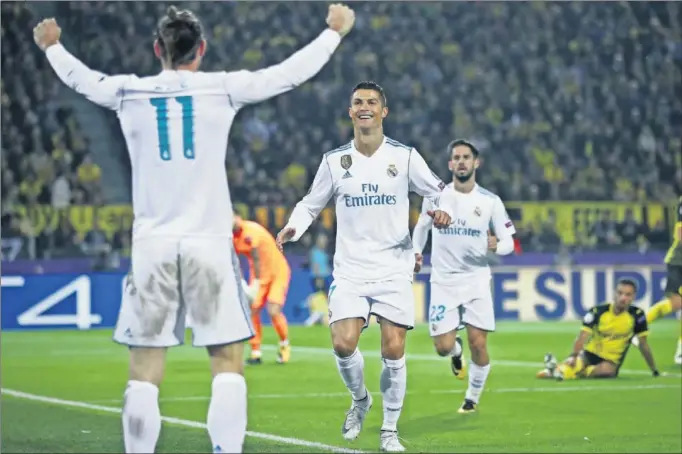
269, 276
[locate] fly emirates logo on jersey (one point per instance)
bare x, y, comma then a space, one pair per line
371, 196
460, 228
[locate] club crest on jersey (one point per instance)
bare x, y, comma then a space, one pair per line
392, 171
477, 211
346, 161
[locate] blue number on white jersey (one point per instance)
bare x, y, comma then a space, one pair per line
161, 105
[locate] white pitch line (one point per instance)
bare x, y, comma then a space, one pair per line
18, 338
171, 420
557, 389
434, 357
319, 351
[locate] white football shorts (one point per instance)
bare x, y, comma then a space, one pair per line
173, 278
391, 300
467, 303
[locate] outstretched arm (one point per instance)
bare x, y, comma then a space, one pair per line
641, 330
590, 320
645, 350
310, 206
580, 342
247, 87
96, 86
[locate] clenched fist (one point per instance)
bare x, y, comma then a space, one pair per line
441, 219
340, 18
418, 262
46, 33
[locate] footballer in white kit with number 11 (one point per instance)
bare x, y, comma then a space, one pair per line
460, 274
369, 179
176, 126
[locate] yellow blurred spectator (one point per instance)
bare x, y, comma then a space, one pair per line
294, 176
31, 187
88, 171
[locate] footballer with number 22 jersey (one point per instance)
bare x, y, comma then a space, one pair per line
460, 275
459, 257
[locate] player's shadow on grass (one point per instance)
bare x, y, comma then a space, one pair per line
436, 424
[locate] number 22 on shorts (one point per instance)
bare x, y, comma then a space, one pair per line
437, 313
161, 106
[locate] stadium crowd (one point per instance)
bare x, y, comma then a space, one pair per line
566, 101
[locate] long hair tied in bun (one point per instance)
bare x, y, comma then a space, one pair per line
179, 34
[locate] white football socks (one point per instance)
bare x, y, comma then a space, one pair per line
226, 418
141, 417
352, 370
393, 384
477, 377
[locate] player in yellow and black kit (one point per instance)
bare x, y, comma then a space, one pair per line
673, 288
603, 342
318, 304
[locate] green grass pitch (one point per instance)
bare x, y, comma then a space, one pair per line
299, 407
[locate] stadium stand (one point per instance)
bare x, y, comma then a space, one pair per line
568, 102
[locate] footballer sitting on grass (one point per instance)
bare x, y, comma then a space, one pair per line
603, 342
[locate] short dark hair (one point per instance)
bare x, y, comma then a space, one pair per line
179, 34
628, 281
462, 142
370, 85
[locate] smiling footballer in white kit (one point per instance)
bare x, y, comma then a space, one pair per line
370, 179
460, 272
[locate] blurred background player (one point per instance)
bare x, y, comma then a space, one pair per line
318, 257
269, 277
673, 287
370, 179
176, 126
460, 271
603, 342
318, 304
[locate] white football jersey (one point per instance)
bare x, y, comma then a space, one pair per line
461, 250
176, 126
373, 240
